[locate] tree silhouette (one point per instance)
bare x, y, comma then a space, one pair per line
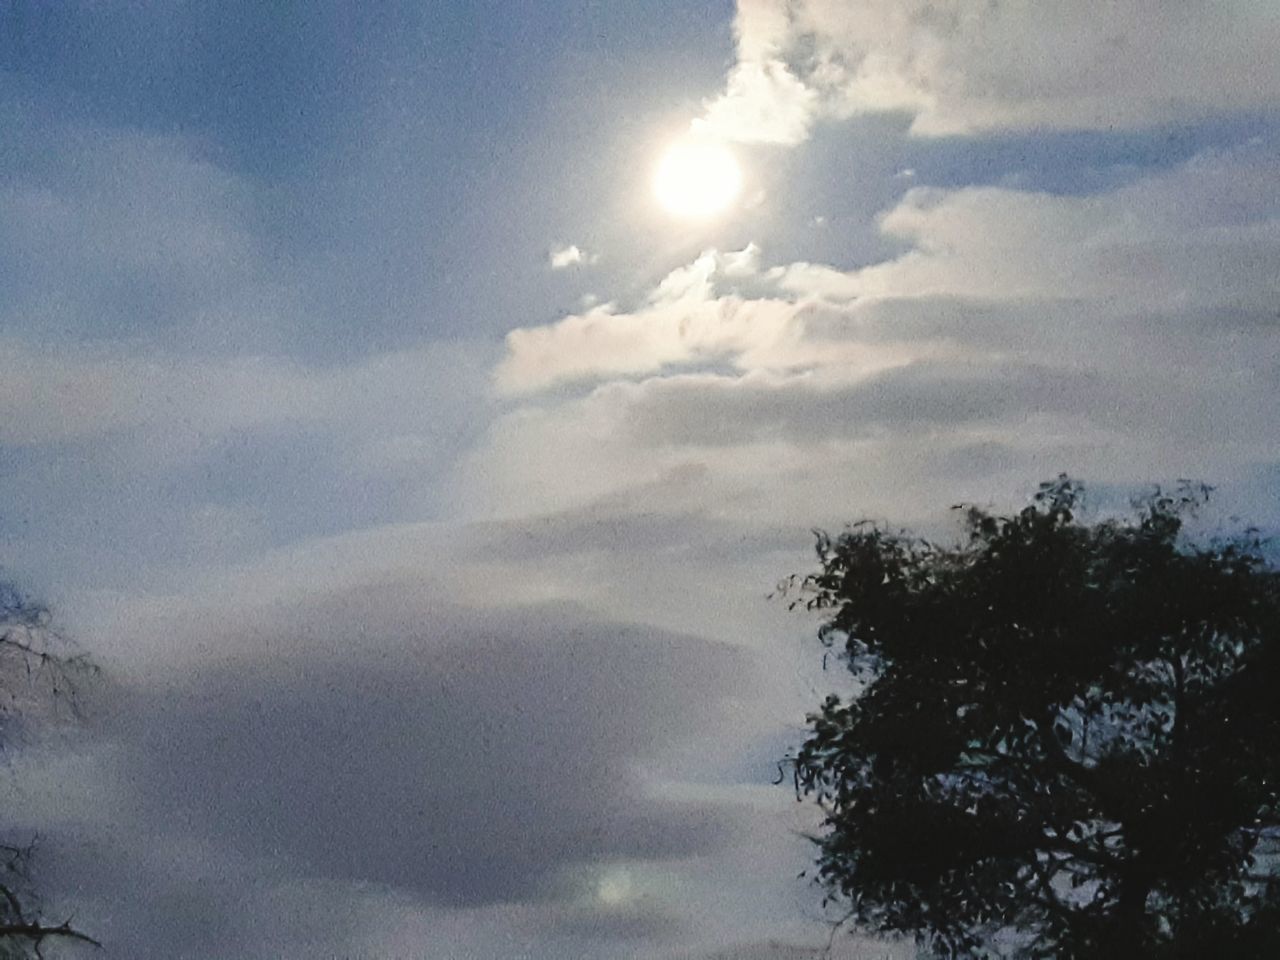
1067, 737
40, 678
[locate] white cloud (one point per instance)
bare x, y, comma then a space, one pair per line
571, 255
1200, 236
764, 102
973, 65
683, 319
1124, 335
761, 29
741, 263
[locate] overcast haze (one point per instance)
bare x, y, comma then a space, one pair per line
419, 480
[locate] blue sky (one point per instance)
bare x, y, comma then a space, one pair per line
428, 561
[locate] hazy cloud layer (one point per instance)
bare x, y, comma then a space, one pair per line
187, 454
118, 235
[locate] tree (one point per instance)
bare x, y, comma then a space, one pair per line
40, 676
1066, 740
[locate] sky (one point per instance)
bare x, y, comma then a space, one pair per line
420, 480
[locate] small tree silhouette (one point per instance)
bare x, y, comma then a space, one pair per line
40, 678
1067, 740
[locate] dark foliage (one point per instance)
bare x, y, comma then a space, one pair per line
1067, 742
40, 678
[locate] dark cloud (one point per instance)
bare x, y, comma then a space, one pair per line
467, 758
148, 897
375, 759
631, 925
716, 410
945, 397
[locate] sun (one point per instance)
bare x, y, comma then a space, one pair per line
696, 179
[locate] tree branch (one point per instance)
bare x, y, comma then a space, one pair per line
1075, 771
38, 931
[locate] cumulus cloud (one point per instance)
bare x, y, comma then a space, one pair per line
975, 66
763, 102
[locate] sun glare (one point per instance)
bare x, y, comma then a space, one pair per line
697, 179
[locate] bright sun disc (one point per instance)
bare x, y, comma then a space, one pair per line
697, 179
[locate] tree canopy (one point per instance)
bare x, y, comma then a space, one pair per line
1067, 737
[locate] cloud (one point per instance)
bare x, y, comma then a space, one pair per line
920, 397
381, 745
50, 396
976, 66
570, 256
118, 236
184, 460
1193, 239
544, 730
763, 102
683, 319
143, 904
1016, 334
499, 747
1200, 238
